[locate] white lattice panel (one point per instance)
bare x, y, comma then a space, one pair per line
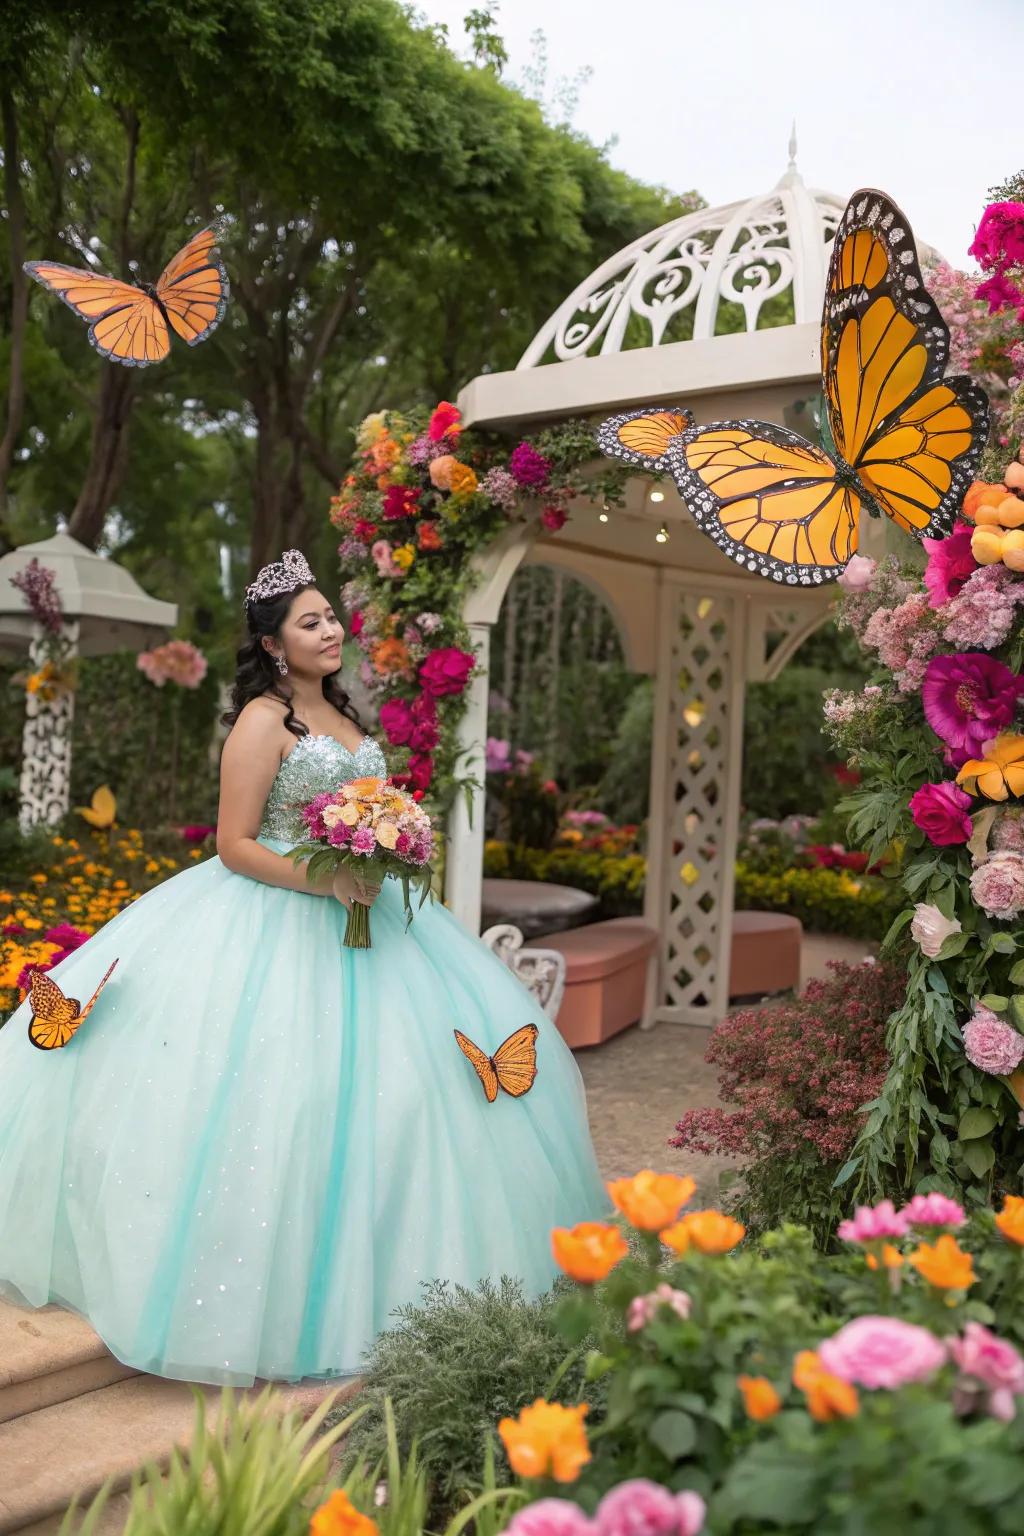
695, 798
45, 787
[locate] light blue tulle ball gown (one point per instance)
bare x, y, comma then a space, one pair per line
260, 1143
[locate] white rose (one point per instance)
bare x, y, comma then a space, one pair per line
331, 815
858, 573
930, 929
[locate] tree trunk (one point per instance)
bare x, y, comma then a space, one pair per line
19, 298
107, 454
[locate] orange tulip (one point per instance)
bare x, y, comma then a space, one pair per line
707, 1231
828, 1396
547, 1440
339, 1517
651, 1200
760, 1399
589, 1251
944, 1264
1010, 1219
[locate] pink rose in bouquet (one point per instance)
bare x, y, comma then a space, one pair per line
371, 826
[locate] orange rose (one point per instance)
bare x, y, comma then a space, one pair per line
339, 1517
391, 656
463, 481
707, 1231
760, 1399
441, 471
1010, 1220
589, 1251
828, 1396
651, 1200
944, 1264
547, 1440
384, 453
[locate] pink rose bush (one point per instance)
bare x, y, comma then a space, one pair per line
882, 1352
990, 1370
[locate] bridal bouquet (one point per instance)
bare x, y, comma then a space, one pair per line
370, 826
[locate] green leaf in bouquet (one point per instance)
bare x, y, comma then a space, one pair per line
995, 1001
975, 1123
673, 1433
979, 1157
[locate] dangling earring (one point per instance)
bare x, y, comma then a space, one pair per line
281, 665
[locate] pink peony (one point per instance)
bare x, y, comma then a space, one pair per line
396, 721
991, 1362
424, 736
968, 699
950, 562
997, 886
446, 671
871, 1223
934, 1210
420, 770
643, 1309
528, 467
999, 241
857, 574
882, 1352
363, 841
550, 1517
642, 1508
991, 1045
930, 928
941, 812
1008, 832
982, 613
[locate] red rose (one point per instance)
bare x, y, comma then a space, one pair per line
396, 721
421, 768
942, 813
445, 421
446, 671
400, 501
424, 736
355, 623
365, 530
424, 707
554, 518
417, 795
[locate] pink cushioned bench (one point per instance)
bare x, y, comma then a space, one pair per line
765, 953
606, 972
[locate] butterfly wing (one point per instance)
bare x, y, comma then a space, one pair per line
482, 1064
125, 324
912, 437
515, 1061
55, 1018
641, 437
193, 288
770, 500
102, 812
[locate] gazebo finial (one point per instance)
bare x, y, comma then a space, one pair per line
792, 178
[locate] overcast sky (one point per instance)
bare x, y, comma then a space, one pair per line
904, 95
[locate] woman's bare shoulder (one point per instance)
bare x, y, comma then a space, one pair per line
261, 720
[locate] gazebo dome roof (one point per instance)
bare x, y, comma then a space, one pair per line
706, 274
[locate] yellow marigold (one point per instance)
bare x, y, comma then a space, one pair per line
707, 1231
1010, 1219
152, 867
196, 853
339, 1517
828, 1396
651, 1200
38, 879
463, 480
760, 1399
589, 1251
944, 1264
547, 1440
404, 556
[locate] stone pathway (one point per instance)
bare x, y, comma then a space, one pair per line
639, 1084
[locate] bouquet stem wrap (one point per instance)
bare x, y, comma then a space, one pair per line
357, 929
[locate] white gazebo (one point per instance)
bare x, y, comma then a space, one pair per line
700, 625
104, 609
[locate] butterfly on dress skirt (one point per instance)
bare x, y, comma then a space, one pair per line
905, 440
55, 1018
513, 1066
132, 324
102, 811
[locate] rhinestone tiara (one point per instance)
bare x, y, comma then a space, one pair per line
284, 575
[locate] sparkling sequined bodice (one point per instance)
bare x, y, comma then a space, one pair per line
314, 766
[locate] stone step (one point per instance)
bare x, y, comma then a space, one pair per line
47, 1356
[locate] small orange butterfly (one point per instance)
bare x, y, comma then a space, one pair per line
130, 324
513, 1066
55, 1018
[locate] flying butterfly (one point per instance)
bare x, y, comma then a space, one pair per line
905, 439
102, 811
513, 1067
55, 1018
132, 324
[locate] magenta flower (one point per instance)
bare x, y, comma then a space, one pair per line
934, 1210
990, 1364
554, 517
363, 841
942, 813
999, 241
643, 1309
498, 755
550, 1517
396, 720
642, 1508
882, 1352
67, 936
528, 467
990, 1045
969, 699
197, 834
999, 292
872, 1223
446, 671
950, 562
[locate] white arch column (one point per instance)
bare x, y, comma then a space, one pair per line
464, 863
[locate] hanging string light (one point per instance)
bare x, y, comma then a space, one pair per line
661, 536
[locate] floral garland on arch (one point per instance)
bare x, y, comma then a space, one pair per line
422, 498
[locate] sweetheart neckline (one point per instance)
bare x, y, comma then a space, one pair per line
325, 736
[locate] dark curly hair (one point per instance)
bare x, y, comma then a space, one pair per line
256, 672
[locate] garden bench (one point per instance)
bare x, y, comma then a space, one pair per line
765, 954
610, 977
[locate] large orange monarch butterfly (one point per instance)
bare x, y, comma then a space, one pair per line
905, 439
132, 324
513, 1066
55, 1018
